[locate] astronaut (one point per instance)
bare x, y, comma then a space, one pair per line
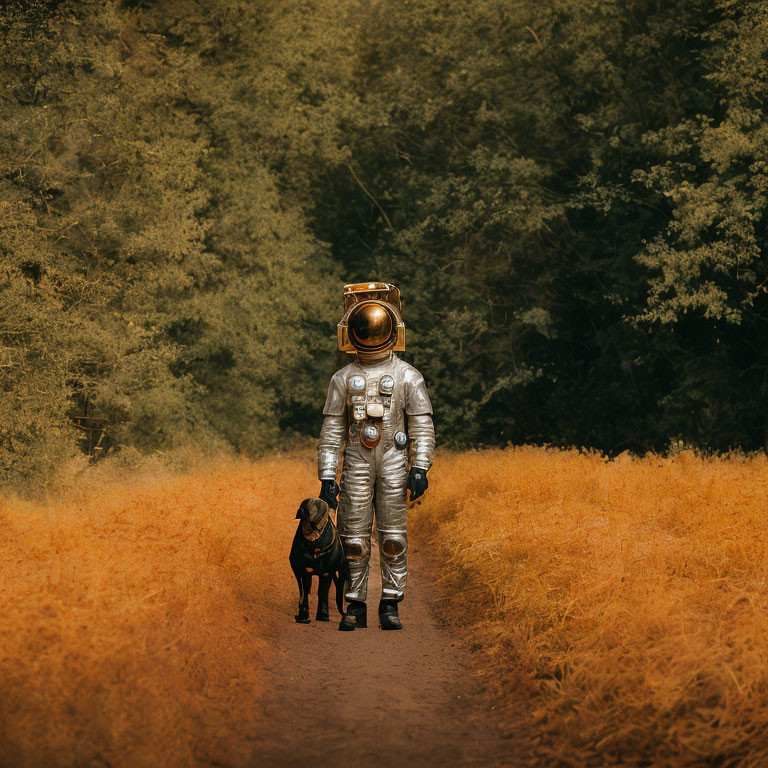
378, 417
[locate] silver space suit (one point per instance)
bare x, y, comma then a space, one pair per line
378, 419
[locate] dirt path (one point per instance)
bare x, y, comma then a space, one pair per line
372, 698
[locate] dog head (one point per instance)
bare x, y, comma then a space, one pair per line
313, 514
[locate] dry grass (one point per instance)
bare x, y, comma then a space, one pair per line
134, 617
619, 609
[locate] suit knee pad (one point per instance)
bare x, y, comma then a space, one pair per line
393, 544
356, 547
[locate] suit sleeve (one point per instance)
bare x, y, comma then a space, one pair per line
334, 430
421, 431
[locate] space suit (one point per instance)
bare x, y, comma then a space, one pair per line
378, 425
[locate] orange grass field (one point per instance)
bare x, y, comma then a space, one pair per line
618, 609
134, 617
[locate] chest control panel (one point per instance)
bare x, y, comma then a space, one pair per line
369, 399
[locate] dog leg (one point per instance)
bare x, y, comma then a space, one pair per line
338, 583
304, 581
323, 588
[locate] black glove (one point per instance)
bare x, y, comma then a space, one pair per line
417, 482
329, 493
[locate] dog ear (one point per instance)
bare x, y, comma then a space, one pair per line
323, 505
303, 508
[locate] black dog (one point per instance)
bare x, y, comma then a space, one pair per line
317, 550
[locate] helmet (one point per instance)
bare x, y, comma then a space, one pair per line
372, 325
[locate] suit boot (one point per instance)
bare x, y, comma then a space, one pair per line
356, 616
388, 616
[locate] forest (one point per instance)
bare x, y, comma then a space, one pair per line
572, 197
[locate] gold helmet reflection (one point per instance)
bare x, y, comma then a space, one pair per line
372, 324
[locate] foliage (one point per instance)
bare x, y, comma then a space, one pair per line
183, 289
34, 433
572, 199
584, 184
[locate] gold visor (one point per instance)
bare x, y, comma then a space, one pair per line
371, 326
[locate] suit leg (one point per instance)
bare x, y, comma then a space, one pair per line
391, 523
355, 520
